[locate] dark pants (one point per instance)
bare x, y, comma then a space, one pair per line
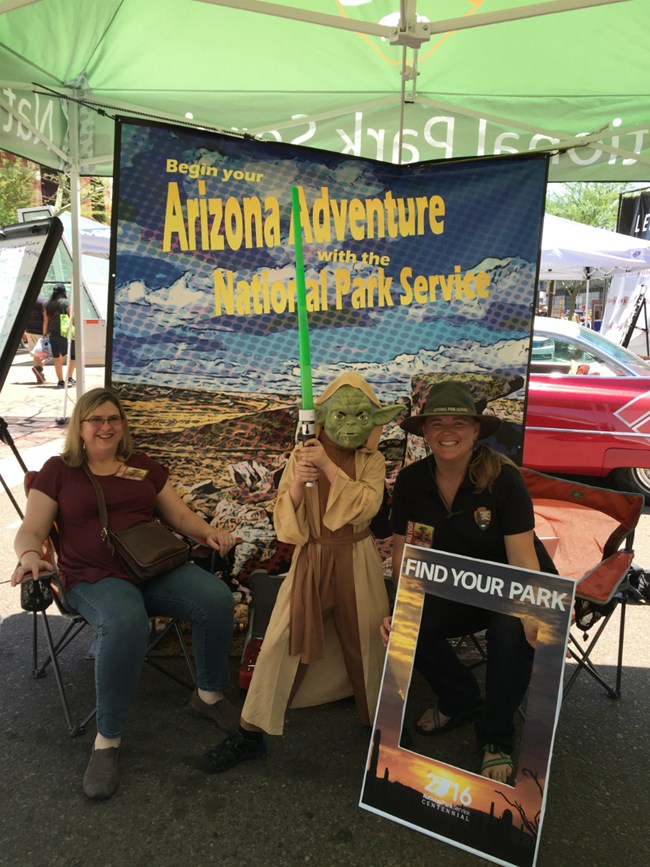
59, 345
509, 665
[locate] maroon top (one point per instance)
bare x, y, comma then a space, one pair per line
82, 555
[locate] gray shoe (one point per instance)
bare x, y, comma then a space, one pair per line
100, 779
223, 713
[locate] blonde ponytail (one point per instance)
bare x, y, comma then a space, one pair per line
485, 466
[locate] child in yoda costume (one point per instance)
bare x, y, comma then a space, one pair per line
323, 643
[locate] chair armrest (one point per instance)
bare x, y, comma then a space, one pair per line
599, 585
36, 593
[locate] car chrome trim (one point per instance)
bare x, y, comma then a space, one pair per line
587, 432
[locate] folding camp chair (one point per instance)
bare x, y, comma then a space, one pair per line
264, 589
38, 596
589, 533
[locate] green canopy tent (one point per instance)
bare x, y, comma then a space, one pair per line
395, 80
451, 78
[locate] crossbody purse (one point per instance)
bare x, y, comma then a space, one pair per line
145, 550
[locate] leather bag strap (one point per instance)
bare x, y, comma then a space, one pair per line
101, 502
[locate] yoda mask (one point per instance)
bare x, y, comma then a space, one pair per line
351, 414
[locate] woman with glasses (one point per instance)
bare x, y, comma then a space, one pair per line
96, 584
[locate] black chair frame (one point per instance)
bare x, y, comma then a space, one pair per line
75, 626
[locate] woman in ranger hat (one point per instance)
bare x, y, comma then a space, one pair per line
475, 502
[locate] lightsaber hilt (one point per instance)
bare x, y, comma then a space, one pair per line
307, 419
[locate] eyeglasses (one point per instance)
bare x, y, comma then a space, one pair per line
98, 420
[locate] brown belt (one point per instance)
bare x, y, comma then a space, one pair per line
341, 540
306, 630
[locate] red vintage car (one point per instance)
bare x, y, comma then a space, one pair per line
588, 409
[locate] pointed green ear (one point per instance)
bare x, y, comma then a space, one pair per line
321, 414
387, 413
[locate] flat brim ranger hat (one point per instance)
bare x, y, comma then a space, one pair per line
451, 398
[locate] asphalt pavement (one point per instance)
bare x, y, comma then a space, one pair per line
299, 805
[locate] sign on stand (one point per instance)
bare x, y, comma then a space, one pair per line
442, 793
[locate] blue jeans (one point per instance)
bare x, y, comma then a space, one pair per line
119, 612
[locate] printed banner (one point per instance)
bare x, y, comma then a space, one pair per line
439, 790
634, 215
413, 273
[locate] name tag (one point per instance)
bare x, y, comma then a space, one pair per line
419, 534
136, 474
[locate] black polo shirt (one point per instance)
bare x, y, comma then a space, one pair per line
477, 523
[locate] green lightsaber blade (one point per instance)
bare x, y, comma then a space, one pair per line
301, 302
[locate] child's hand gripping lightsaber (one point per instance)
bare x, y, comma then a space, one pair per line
306, 414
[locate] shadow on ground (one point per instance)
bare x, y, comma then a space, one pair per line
297, 806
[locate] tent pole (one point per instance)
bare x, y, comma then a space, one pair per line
400, 135
588, 273
550, 298
75, 210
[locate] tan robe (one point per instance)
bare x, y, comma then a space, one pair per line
351, 504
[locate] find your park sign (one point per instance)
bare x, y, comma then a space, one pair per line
433, 784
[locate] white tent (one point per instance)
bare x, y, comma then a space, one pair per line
626, 319
95, 247
95, 237
573, 251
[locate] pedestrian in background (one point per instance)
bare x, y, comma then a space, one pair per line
57, 305
34, 330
